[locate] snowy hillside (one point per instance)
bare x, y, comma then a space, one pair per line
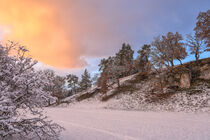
142, 92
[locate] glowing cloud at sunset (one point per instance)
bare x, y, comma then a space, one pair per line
33, 23
74, 33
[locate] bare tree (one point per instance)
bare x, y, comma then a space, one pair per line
202, 29
167, 49
103, 82
195, 45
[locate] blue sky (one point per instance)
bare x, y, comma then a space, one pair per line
76, 34
139, 21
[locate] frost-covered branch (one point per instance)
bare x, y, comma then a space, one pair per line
22, 96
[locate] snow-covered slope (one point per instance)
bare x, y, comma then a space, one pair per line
144, 92
178, 101
141, 99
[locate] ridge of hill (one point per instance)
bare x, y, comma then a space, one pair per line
184, 88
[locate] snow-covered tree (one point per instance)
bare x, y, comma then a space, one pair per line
57, 88
115, 67
73, 82
22, 94
85, 82
95, 79
111, 72
116, 70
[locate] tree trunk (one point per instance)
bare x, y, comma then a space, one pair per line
196, 57
172, 63
118, 82
180, 61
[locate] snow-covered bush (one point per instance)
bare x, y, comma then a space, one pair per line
22, 96
56, 86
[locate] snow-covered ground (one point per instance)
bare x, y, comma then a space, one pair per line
86, 122
143, 98
92, 119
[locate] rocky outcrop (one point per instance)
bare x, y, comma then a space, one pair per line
189, 74
178, 79
185, 80
205, 72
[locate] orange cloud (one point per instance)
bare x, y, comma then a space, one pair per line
34, 23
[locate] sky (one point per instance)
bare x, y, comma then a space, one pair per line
71, 35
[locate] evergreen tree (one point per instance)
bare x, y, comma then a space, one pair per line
125, 54
143, 58
95, 79
124, 59
85, 82
73, 82
115, 67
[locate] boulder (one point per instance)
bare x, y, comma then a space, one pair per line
185, 80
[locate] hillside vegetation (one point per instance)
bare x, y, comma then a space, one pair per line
153, 67
185, 88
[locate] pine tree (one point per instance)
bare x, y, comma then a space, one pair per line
143, 58
73, 82
124, 58
116, 67
85, 82
95, 79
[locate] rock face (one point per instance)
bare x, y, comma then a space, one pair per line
205, 72
185, 80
